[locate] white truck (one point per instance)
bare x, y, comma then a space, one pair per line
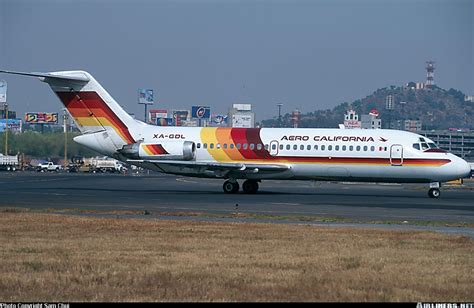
49, 166
106, 165
9, 162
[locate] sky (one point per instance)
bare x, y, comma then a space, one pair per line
307, 55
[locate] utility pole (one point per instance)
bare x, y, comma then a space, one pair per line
65, 117
279, 114
5, 106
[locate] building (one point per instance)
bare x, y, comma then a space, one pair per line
469, 98
371, 120
351, 120
458, 143
412, 125
241, 115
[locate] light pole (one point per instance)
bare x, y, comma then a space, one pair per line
5, 106
65, 117
279, 114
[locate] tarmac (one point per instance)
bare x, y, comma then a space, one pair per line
367, 202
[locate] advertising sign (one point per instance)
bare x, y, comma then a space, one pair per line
14, 125
201, 112
242, 120
218, 120
156, 114
179, 116
11, 114
41, 118
3, 91
145, 96
164, 121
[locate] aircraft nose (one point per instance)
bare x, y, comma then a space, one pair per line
463, 168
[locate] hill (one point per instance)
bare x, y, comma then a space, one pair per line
436, 108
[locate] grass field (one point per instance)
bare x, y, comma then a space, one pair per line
47, 257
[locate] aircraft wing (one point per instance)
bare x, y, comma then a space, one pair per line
214, 166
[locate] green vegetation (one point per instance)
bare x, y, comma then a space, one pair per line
436, 108
47, 145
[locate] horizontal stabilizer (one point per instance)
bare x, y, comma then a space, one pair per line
80, 78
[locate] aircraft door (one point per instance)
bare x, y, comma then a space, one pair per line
274, 148
396, 155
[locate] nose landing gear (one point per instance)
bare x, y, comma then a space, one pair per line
434, 191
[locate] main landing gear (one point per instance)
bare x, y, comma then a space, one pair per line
232, 187
434, 190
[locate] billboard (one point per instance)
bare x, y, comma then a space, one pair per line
41, 118
164, 121
201, 112
218, 120
156, 114
145, 96
14, 125
179, 116
3, 91
11, 114
242, 120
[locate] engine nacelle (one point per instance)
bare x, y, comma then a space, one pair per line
165, 150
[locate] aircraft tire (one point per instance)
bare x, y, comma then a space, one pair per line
250, 187
434, 193
230, 187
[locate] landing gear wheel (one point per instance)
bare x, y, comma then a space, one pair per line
230, 187
250, 187
434, 193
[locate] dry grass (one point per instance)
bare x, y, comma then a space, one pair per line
46, 257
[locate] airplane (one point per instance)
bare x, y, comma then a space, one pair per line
250, 154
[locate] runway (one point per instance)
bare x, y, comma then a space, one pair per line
170, 194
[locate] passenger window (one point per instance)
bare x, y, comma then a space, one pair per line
281, 146
323, 147
218, 145
238, 146
358, 148
330, 148
198, 145
266, 146
308, 147
351, 148
211, 145
336, 148
246, 146
252, 146
231, 145
385, 149
416, 146
225, 145
205, 145
295, 147
302, 147
259, 146
365, 148
344, 147
274, 146
288, 147
372, 148
316, 147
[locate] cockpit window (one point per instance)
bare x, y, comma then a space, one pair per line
432, 145
424, 146
416, 146
422, 139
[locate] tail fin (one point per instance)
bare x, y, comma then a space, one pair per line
92, 108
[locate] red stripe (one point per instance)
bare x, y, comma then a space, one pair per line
89, 102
